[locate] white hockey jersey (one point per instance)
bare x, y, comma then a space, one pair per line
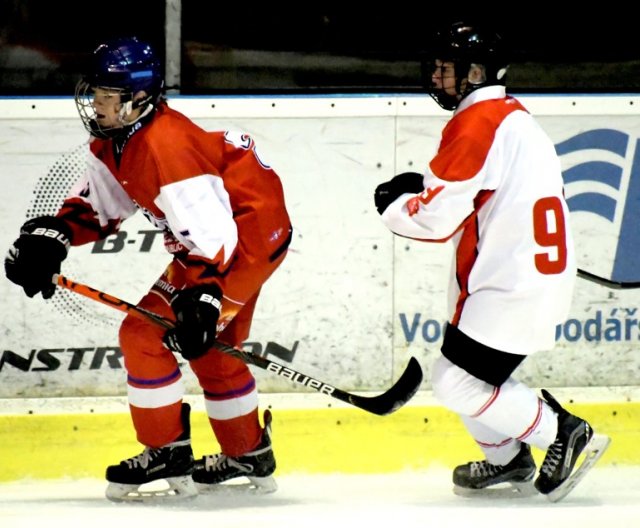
495, 188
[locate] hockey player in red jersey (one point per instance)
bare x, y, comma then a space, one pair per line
225, 223
495, 189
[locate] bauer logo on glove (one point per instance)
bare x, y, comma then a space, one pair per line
197, 310
38, 254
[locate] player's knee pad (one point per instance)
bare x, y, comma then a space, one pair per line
139, 340
458, 390
135, 334
217, 366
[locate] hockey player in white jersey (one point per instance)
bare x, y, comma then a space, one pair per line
495, 189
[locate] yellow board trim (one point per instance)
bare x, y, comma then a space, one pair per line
333, 440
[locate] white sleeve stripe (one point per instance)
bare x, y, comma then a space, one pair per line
192, 207
106, 196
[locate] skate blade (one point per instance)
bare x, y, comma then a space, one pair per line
592, 453
255, 486
510, 490
163, 490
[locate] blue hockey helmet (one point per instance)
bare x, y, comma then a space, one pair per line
127, 66
466, 45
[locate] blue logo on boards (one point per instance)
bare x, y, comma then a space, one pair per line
614, 176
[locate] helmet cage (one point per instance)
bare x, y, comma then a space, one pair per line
125, 67
84, 95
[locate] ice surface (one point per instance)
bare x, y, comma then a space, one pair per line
608, 497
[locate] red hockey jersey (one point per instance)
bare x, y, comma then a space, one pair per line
209, 192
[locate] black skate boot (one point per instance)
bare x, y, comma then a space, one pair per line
574, 437
258, 466
483, 478
173, 462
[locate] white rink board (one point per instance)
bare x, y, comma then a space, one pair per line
351, 300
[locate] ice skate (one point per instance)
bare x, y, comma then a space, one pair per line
575, 437
257, 466
485, 479
140, 478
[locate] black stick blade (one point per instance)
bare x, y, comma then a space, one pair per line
400, 393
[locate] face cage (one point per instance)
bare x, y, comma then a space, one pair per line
84, 105
439, 95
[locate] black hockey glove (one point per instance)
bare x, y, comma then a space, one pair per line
37, 254
388, 192
197, 310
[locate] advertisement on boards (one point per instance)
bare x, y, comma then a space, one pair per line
351, 303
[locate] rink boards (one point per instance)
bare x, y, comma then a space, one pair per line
351, 303
345, 307
311, 434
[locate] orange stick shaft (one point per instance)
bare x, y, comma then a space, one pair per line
111, 301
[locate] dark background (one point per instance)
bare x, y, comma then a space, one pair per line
224, 50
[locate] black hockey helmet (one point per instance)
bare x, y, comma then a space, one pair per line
465, 45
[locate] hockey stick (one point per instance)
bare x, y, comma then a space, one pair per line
616, 285
389, 401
